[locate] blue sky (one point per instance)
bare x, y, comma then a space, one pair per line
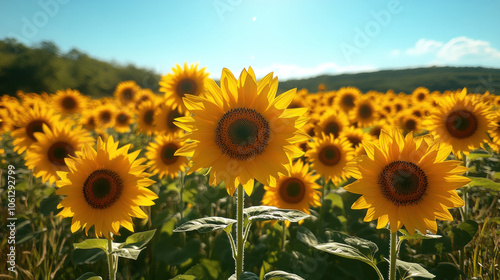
293, 38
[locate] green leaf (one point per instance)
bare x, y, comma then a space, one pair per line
346, 251
409, 270
265, 213
306, 236
89, 276
416, 235
206, 224
366, 247
478, 154
138, 240
185, 277
336, 200
278, 274
88, 256
463, 234
128, 253
245, 276
343, 250
485, 183
92, 244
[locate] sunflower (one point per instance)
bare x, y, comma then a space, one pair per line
406, 181
104, 188
69, 101
183, 81
329, 156
356, 136
242, 130
462, 122
146, 117
420, 95
88, 121
105, 115
47, 155
123, 120
297, 191
164, 119
144, 94
346, 98
364, 112
495, 133
31, 121
161, 156
332, 122
408, 122
126, 92
5, 121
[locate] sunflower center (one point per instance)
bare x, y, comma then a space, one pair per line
403, 182
149, 117
292, 190
421, 96
365, 111
354, 140
332, 128
102, 188
91, 123
398, 107
128, 94
410, 125
35, 126
186, 86
348, 100
58, 151
461, 124
329, 155
69, 103
105, 116
170, 119
167, 153
122, 118
242, 133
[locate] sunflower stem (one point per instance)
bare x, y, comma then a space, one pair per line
284, 235
111, 260
181, 191
239, 232
394, 255
322, 209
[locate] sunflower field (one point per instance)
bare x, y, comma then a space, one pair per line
230, 180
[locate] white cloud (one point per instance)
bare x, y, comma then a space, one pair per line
290, 71
456, 50
424, 46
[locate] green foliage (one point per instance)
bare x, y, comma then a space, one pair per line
475, 79
44, 68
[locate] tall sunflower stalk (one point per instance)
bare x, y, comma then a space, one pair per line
243, 132
406, 181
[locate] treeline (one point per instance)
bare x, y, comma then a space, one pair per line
44, 68
475, 79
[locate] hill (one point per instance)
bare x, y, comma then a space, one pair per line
476, 79
44, 68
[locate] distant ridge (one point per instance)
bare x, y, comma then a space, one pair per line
44, 68
475, 79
